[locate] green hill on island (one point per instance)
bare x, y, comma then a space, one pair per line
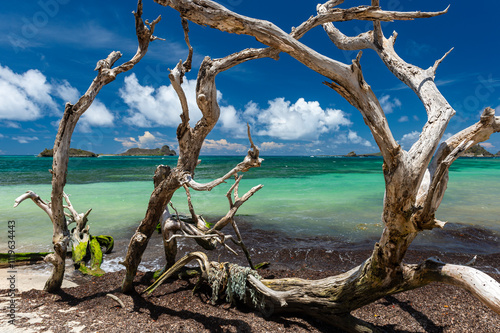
163, 151
474, 151
477, 151
73, 152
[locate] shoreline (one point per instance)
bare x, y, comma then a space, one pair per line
455, 241
285, 260
173, 307
435, 308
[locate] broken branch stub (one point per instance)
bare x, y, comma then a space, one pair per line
415, 179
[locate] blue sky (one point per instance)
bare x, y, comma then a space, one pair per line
49, 49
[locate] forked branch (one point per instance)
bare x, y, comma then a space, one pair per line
434, 184
36, 199
251, 160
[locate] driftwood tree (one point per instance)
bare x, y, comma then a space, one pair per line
72, 113
83, 245
168, 180
415, 180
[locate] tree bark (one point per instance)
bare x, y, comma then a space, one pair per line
106, 74
190, 143
415, 181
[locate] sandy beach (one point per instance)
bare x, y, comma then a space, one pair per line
13, 282
173, 307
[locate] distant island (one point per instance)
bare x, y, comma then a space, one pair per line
163, 151
478, 151
474, 151
73, 152
353, 154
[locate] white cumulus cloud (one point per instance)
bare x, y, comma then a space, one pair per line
231, 122
222, 144
388, 104
282, 119
97, 115
271, 145
301, 120
67, 92
355, 138
409, 139
24, 96
148, 140
28, 96
157, 107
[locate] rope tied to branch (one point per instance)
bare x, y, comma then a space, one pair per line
232, 279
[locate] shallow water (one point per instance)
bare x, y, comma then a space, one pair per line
324, 202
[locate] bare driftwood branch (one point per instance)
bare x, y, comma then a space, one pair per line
36, 199
119, 301
347, 79
415, 179
106, 74
252, 160
190, 144
433, 186
479, 284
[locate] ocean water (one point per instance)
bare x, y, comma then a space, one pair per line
306, 202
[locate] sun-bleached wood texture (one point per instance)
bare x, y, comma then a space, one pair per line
169, 180
106, 74
415, 180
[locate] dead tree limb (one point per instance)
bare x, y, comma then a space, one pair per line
414, 185
190, 143
37, 200
106, 74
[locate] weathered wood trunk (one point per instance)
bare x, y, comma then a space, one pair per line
190, 143
415, 180
106, 74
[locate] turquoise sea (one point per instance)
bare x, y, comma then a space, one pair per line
325, 202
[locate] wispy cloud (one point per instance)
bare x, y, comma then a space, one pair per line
389, 103
442, 82
409, 139
222, 145
487, 145
271, 145
147, 140
417, 49
25, 139
11, 124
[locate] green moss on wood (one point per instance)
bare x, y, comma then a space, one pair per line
79, 252
95, 257
24, 258
107, 242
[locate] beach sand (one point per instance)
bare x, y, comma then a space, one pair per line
21, 279
26, 279
174, 308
